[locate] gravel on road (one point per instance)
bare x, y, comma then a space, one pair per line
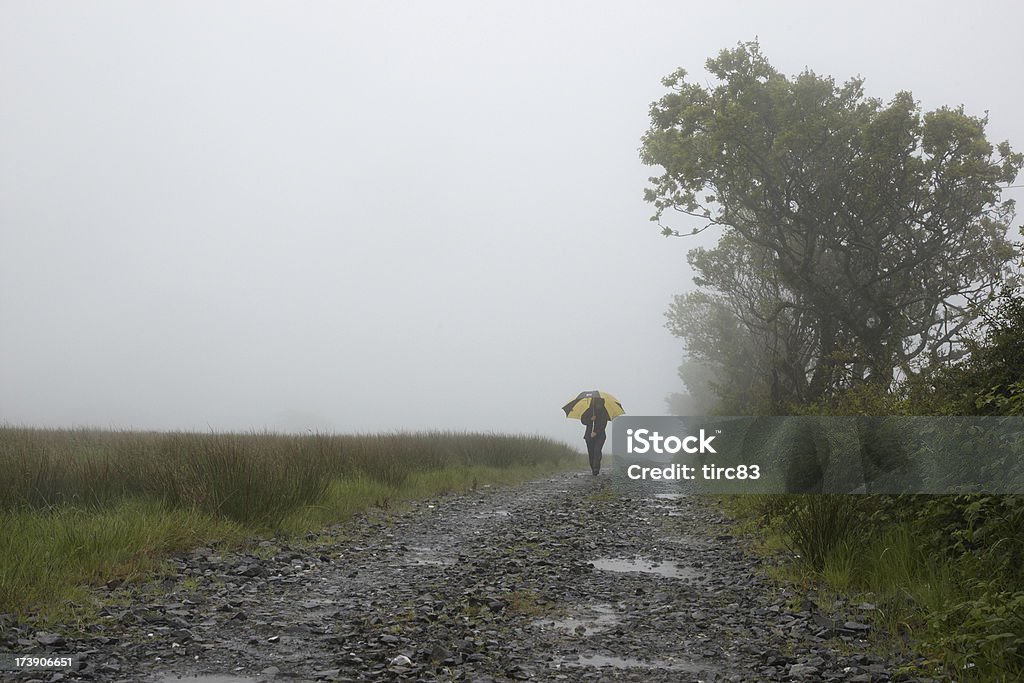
568, 578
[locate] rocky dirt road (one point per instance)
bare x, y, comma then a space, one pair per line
569, 578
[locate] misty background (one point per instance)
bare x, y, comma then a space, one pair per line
382, 216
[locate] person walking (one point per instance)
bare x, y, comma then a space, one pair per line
595, 418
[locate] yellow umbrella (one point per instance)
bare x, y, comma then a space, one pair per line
574, 408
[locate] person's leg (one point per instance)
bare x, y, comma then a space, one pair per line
595, 461
593, 453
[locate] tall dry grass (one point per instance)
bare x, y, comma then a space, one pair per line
86, 505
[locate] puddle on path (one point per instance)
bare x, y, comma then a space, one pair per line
669, 570
599, 661
588, 620
214, 678
668, 496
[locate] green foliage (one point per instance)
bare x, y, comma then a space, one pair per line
47, 555
816, 525
944, 570
983, 530
861, 240
860, 237
984, 632
991, 380
949, 569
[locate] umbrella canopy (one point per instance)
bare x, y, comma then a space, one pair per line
574, 408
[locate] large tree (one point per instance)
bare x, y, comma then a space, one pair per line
880, 228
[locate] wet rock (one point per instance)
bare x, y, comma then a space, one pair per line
47, 639
440, 654
856, 627
804, 672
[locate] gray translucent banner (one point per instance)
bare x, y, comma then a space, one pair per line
812, 454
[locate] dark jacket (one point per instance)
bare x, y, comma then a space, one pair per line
599, 425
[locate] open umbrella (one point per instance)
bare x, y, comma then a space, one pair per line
574, 408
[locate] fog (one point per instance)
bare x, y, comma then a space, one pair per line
381, 216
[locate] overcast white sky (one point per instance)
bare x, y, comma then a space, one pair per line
367, 216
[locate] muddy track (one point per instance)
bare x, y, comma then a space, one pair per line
569, 578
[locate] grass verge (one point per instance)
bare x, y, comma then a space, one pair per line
84, 507
963, 613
